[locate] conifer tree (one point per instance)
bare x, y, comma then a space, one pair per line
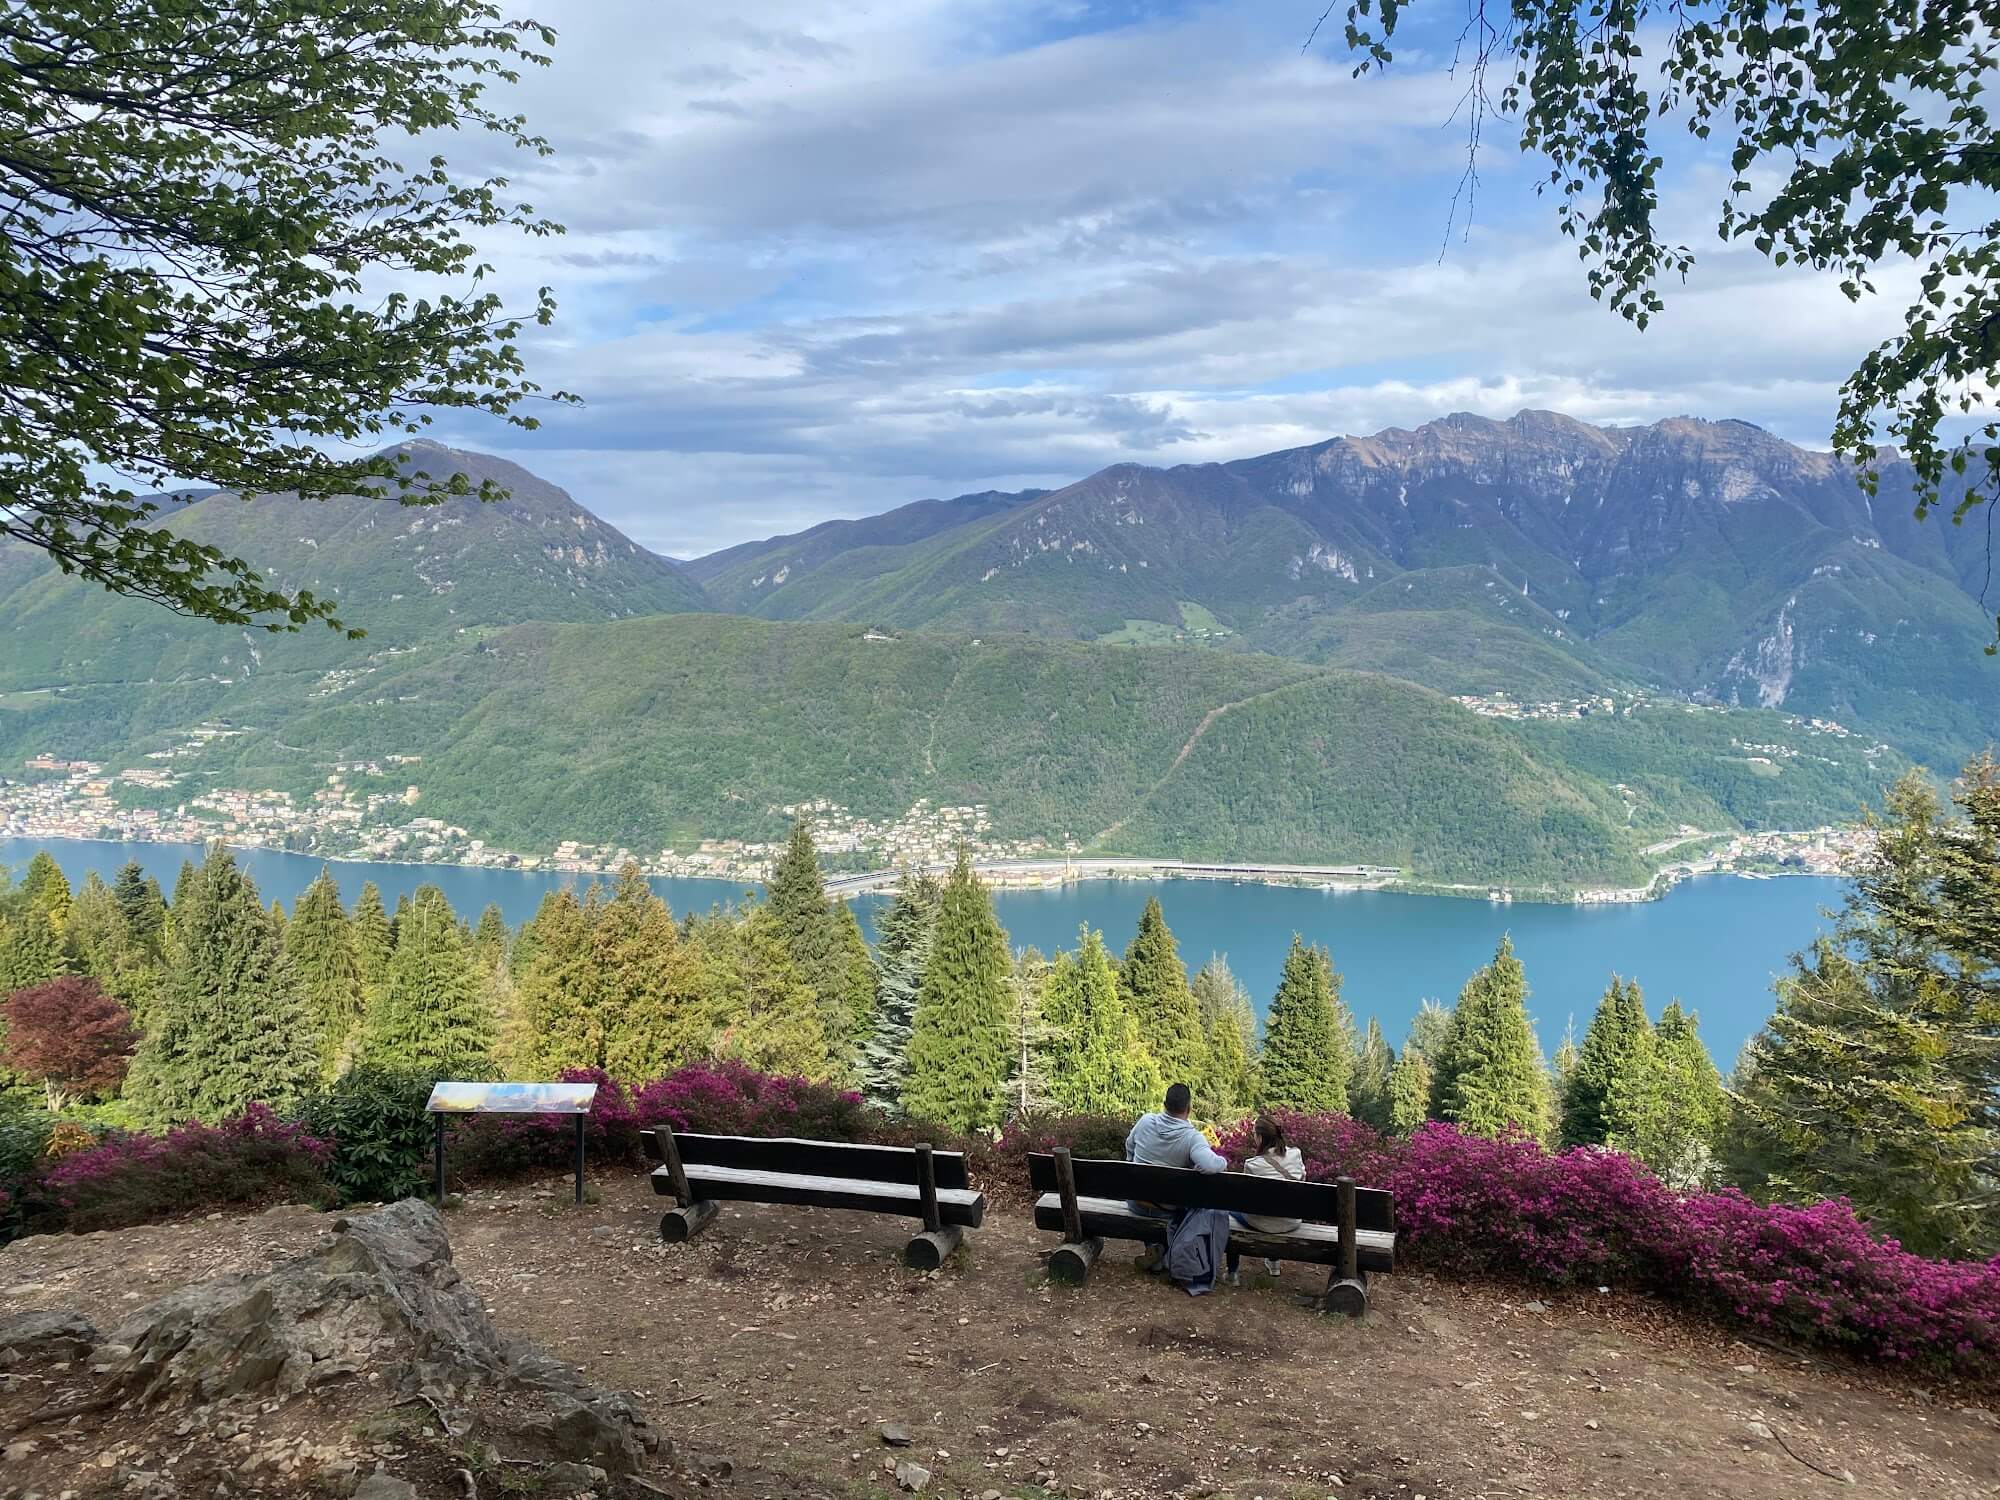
812, 929
1673, 1120
1879, 1076
903, 947
1095, 1061
771, 1017
45, 887
93, 934
490, 937
1153, 983
1368, 1091
648, 984
431, 1017
1028, 1050
1409, 1091
858, 979
1308, 1036
230, 1026
1430, 1030
373, 942
1228, 1089
143, 910
31, 950
320, 944
1562, 1067
183, 884
558, 994
1614, 1052
1490, 1077
958, 1038
396, 917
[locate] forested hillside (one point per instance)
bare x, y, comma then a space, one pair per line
674, 728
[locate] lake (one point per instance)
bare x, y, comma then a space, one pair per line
1716, 943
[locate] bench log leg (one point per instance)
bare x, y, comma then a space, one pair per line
1347, 1294
932, 1248
679, 1225
1071, 1262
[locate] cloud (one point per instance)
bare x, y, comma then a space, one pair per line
825, 260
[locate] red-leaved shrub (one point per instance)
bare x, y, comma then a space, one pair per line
730, 1098
252, 1161
69, 1036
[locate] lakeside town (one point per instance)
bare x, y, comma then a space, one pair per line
349, 818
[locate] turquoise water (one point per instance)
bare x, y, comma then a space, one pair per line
1715, 943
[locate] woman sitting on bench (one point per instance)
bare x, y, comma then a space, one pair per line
1274, 1157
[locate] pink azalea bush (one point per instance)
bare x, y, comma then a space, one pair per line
252, 1161
1592, 1217
730, 1098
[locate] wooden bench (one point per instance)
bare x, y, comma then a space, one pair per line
1351, 1229
701, 1171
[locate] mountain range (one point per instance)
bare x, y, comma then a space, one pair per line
1296, 617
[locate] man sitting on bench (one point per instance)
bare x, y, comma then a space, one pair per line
1168, 1139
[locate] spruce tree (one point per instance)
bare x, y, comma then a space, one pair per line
320, 943
958, 1038
858, 979
1490, 1077
770, 1016
94, 932
230, 1026
1030, 1033
184, 883
31, 950
1154, 986
1614, 1050
797, 901
1228, 1089
903, 947
143, 910
431, 1017
1368, 1091
1308, 1036
1430, 1030
373, 942
45, 887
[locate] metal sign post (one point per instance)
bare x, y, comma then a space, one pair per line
510, 1099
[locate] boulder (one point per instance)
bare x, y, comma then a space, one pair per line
379, 1294
45, 1334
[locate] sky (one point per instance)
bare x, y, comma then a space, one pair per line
823, 259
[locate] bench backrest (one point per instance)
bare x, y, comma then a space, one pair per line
1182, 1187
813, 1158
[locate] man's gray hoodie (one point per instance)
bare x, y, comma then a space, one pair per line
1161, 1140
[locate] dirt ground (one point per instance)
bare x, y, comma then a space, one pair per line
786, 1338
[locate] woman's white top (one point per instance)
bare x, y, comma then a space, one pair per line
1287, 1166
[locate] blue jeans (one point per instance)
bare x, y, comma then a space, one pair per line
1236, 1256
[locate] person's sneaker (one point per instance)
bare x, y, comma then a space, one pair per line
1272, 1267
1232, 1278
1153, 1264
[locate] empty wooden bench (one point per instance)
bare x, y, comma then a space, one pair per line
701, 1171
1351, 1229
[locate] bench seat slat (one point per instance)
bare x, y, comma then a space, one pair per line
1109, 1218
1242, 1191
799, 1157
960, 1206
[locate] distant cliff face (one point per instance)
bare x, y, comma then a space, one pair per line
1709, 558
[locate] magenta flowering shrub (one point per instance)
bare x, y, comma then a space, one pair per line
731, 1098
1097, 1136
252, 1161
499, 1145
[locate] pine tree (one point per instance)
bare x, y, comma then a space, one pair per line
1490, 1077
1430, 1030
1228, 1089
958, 1038
1368, 1091
320, 944
903, 947
373, 943
1615, 1049
1153, 983
230, 1026
396, 918
558, 994
31, 950
771, 1017
858, 978
431, 1017
1030, 1032
44, 887
1409, 1091
797, 902
1308, 1036
1562, 1067
184, 883
93, 934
